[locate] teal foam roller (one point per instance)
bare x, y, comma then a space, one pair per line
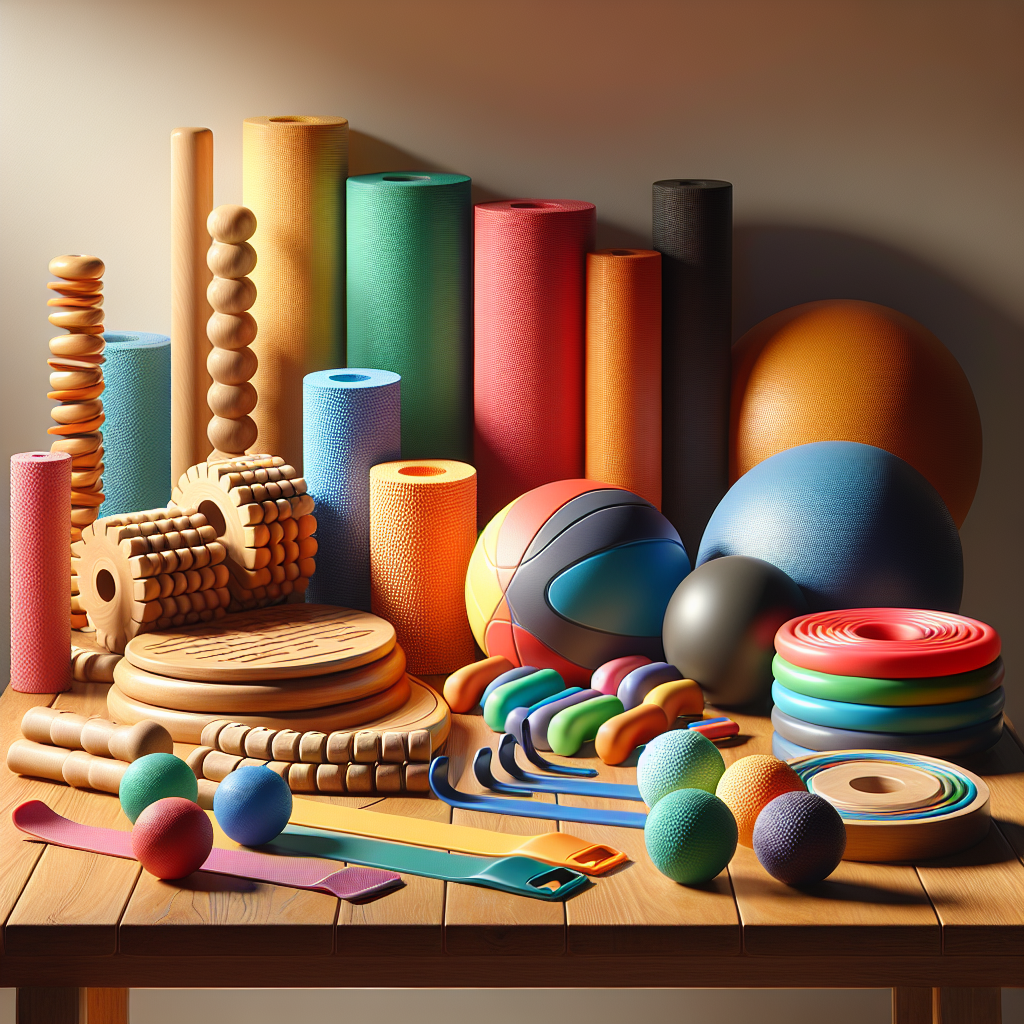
410, 301
137, 429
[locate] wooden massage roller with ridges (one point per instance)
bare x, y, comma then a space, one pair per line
76, 381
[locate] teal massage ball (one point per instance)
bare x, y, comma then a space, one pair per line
690, 836
155, 777
678, 759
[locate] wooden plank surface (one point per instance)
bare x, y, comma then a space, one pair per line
1003, 770
483, 921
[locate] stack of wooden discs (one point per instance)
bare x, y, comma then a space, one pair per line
296, 668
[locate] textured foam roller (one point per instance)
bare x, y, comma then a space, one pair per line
692, 229
410, 301
529, 298
422, 532
40, 572
137, 432
624, 370
293, 180
351, 421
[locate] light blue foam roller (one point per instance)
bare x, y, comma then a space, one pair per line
351, 420
137, 429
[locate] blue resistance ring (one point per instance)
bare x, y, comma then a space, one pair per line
871, 718
786, 751
889, 692
954, 743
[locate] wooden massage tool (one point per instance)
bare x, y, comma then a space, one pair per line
149, 570
76, 379
231, 330
95, 735
896, 806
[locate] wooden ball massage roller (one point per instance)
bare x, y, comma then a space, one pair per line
76, 380
149, 570
231, 330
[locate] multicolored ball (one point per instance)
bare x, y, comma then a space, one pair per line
799, 838
172, 837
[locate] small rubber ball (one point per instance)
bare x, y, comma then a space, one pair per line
690, 836
153, 778
752, 782
172, 837
253, 805
678, 759
799, 838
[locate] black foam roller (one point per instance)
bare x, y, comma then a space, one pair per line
692, 229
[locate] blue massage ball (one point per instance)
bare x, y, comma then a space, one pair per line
253, 805
799, 838
852, 525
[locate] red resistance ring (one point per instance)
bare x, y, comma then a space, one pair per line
887, 643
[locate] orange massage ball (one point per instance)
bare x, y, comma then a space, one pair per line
846, 370
751, 783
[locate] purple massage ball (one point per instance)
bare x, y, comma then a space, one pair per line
799, 838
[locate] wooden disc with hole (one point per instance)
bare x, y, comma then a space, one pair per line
258, 698
872, 788
407, 706
289, 641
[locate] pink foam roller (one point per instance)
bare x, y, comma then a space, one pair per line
611, 673
40, 572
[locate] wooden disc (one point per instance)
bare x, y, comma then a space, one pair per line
283, 642
407, 706
257, 698
870, 787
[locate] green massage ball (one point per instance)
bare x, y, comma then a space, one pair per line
678, 759
153, 778
690, 836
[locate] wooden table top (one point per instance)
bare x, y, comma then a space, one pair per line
97, 921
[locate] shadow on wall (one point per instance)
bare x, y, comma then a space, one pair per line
777, 266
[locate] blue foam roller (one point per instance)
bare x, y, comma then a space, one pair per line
351, 420
137, 429
852, 525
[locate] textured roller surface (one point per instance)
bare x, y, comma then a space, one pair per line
799, 838
623, 370
529, 299
422, 532
679, 759
692, 229
351, 421
40, 572
850, 524
293, 180
690, 835
846, 370
749, 784
137, 433
410, 302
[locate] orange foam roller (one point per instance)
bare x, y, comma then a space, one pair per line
624, 370
422, 532
846, 370
40, 572
293, 180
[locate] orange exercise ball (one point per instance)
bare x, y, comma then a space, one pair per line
846, 370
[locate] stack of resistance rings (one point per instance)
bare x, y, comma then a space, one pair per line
925, 682
899, 806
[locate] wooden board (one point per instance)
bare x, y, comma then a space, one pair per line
403, 707
283, 642
229, 698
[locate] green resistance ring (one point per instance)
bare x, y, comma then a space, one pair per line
889, 692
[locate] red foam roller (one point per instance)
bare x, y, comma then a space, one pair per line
529, 310
40, 572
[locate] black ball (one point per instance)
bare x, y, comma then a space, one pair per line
720, 626
799, 838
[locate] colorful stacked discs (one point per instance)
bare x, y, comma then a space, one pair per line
903, 679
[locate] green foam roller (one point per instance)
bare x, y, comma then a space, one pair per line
155, 777
410, 301
574, 726
521, 693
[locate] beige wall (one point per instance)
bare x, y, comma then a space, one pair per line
875, 147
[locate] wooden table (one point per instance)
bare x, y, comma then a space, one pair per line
80, 929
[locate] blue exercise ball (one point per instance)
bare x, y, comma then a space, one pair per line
252, 805
852, 525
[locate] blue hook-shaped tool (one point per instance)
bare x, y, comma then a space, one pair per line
537, 759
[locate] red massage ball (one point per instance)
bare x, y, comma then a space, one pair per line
172, 837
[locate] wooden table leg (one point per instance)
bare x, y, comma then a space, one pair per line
48, 1005
911, 1006
969, 1006
107, 1005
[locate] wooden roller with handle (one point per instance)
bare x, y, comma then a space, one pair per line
95, 735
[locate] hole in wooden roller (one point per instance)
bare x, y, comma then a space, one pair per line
421, 471
214, 516
106, 587
877, 784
